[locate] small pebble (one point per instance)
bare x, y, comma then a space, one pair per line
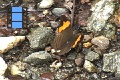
90, 67
15, 70
79, 61
54, 24
47, 76
46, 3
71, 56
87, 45
92, 56
59, 11
45, 12
101, 41
87, 38
56, 65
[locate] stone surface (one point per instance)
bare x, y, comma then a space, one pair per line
40, 37
7, 43
47, 76
59, 11
18, 68
87, 38
91, 56
101, 41
79, 61
56, 64
90, 67
101, 11
109, 31
111, 62
38, 58
46, 3
3, 67
71, 56
25, 71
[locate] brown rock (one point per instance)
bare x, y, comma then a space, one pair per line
47, 76
101, 41
79, 61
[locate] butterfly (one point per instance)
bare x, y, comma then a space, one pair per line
65, 38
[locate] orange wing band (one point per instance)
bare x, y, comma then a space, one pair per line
64, 26
78, 39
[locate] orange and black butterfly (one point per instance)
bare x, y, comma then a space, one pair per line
66, 38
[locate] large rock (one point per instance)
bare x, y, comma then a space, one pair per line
40, 37
38, 58
7, 43
111, 62
102, 10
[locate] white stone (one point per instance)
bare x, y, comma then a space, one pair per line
7, 43
15, 70
46, 3
56, 65
3, 67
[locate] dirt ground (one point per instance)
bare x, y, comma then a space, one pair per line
98, 36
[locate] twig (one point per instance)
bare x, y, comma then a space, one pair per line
72, 14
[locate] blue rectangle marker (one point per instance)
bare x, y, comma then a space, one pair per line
16, 16
16, 9
16, 24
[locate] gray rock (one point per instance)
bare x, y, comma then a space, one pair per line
101, 41
91, 56
62, 73
68, 64
72, 55
109, 31
38, 58
59, 11
54, 24
111, 62
102, 10
40, 37
118, 70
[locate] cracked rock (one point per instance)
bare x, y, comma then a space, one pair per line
40, 37
91, 56
101, 12
111, 62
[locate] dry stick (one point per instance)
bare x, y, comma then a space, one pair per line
72, 17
